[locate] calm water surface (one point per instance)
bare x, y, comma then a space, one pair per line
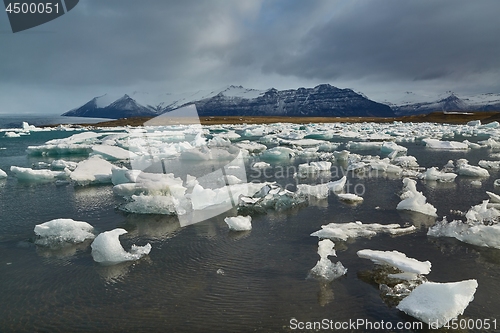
204, 278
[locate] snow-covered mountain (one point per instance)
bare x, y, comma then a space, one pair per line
417, 104
323, 100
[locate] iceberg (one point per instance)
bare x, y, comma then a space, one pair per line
414, 200
350, 197
434, 174
344, 231
396, 259
437, 303
239, 223
59, 231
464, 169
106, 248
447, 145
154, 204
261, 165
62, 164
481, 227
324, 268
28, 174
93, 170
113, 153
3, 174
277, 154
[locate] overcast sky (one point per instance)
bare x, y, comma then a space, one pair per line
381, 48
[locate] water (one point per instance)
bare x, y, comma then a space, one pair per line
15, 121
204, 278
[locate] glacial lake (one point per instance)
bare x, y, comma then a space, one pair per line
205, 278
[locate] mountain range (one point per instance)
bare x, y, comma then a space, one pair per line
321, 101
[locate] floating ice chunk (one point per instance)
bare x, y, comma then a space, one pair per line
324, 268
202, 198
12, 135
303, 142
341, 155
60, 149
337, 185
62, 164
106, 248
393, 149
314, 167
396, 259
493, 124
252, 147
448, 145
3, 174
261, 165
437, 303
478, 234
344, 231
355, 145
414, 200
449, 166
59, 231
154, 204
277, 153
495, 198
201, 153
464, 169
28, 174
191, 181
92, 170
350, 197
239, 223
434, 174
77, 138
123, 175
489, 164
113, 153
474, 123
319, 191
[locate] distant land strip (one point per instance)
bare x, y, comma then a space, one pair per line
449, 117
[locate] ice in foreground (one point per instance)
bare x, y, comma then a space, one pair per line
438, 303
481, 227
239, 223
414, 200
325, 269
106, 248
344, 231
396, 259
63, 231
3, 174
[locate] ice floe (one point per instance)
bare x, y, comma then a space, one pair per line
94, 170
325, 269
239, 223
3, 174
28, 174
58, 231
446, 145
107, 249
481, 227
438, 303
414, 200
396, 259
434, 174
464, 169
344, 231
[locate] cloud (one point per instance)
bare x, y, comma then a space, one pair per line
188, 45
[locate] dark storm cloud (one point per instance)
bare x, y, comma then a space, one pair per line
187, 45
402, 40
109, 42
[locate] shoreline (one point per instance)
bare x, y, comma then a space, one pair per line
434, 117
